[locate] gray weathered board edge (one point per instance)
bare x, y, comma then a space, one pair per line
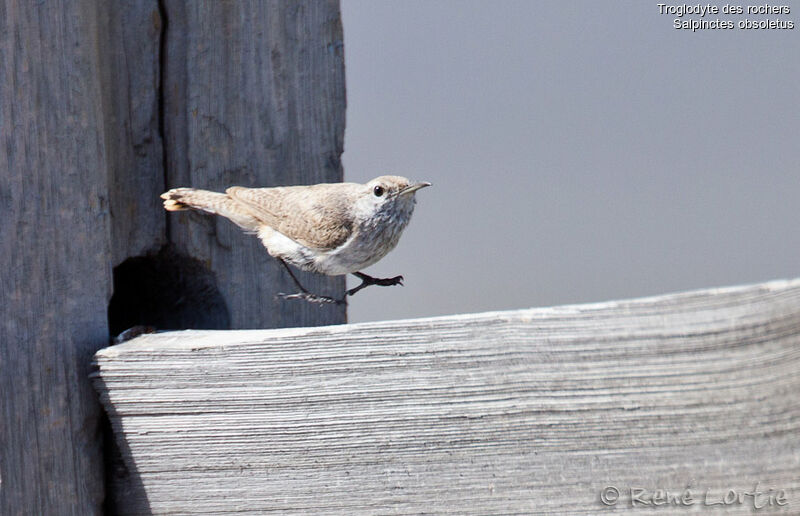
739, 429
195, 339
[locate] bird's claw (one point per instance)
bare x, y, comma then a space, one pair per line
311, 298
389, 282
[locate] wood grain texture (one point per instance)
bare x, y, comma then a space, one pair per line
523, 412
82, 162
253, 96
130, 32
56, 273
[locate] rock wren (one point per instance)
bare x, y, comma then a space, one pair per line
332, 228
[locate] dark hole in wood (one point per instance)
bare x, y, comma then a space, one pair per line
168, 291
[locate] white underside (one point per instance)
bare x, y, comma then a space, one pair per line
333, 263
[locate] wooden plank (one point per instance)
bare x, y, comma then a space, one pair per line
131, 72
56, 274
524, 412
253, 96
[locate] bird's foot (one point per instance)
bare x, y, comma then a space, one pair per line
367, 280
311, 298
305, 294
388, 282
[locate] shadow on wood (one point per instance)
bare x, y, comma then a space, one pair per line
166, 290
530, 411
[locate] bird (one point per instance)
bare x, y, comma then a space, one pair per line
329, 228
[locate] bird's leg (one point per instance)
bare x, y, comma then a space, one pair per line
304, 293
367, 280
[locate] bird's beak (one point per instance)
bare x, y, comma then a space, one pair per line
413, 187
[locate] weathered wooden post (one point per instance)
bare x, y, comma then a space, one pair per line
253, 94
56, 268
103, 105
220, 94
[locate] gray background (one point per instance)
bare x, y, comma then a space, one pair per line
580, 151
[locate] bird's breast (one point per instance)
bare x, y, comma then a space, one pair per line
371, 240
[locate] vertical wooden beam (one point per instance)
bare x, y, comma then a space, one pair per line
102, 106
130, 68
253, 96
54, 242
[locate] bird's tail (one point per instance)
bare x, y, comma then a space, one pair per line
180, 199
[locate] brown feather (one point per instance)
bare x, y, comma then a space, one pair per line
306, 214
179, 199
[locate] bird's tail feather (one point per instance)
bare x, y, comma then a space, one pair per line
180, 199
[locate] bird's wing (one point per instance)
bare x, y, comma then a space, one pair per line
316, 216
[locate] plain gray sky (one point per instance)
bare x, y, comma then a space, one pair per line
579, 151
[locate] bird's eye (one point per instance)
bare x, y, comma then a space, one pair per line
378, 191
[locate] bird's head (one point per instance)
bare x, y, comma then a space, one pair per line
391, 196
393, 192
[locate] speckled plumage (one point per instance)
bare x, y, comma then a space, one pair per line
332, 228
